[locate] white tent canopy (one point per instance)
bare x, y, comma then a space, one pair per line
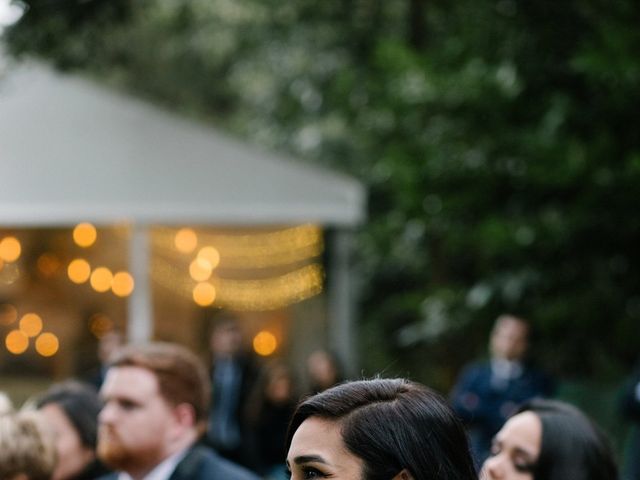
72, 150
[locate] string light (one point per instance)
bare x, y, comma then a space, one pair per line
204, 294
10, 249
8, 314
247, 295
48, 264
200, 269
47, 344
265, 343
101, 279
16, 342
31, 324
186, 240
211, 255
100, 324
84, 234
255, 250
122, 284
79, 270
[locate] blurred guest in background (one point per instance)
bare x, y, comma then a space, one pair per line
269, 410
323, 371
382, 429
155, 411
233, 373
108, 344
71, 411
27, 451
549, 440
630, 408
487, 393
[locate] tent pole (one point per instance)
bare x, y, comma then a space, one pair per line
342, 302
140, 315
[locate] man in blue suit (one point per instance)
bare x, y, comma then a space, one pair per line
155, 410
630, 407
487, 393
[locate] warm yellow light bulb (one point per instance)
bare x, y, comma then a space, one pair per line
47, 344
101, 279
10, 249
204, 294
79, 270
16, 342
84, 234
48, 264
210, 254
31, 324
186, 240
265, 343
8, 314
100, 324
200, 269
122, 284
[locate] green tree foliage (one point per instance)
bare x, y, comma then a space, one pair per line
498, 140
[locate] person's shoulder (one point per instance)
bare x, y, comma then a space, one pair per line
203, 463
477, 367
108, 476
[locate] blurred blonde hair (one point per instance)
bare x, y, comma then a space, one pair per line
5, 404
27, 448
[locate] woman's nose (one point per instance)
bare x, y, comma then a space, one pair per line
491, 469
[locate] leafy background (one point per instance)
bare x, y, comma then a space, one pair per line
498, 140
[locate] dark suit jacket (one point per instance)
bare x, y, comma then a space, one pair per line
201, 463
484, 407
630, 408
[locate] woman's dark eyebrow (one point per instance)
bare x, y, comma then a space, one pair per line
308, 459
521, 451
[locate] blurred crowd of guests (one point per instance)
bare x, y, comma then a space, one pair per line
230, 420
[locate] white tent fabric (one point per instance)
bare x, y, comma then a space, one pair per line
71, 150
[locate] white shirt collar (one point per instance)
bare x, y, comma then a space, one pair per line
163, 470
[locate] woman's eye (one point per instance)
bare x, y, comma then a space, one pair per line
310, 472
524, 467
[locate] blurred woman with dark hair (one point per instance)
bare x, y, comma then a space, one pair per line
550, 440
269, 410
71, 411
379, 429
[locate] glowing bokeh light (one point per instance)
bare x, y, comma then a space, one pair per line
8, 314
31, 324
122, 284
16, 342
186, 240
47, 344
200, 269
10, 249
211, 254
265, 343
79, 270
101, 279
48, 264
204, 294
84, 234
100, 324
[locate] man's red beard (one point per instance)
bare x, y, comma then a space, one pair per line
111, 450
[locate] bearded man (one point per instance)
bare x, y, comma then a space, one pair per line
155, 411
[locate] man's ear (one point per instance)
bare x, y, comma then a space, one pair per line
185, 414
403, 475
